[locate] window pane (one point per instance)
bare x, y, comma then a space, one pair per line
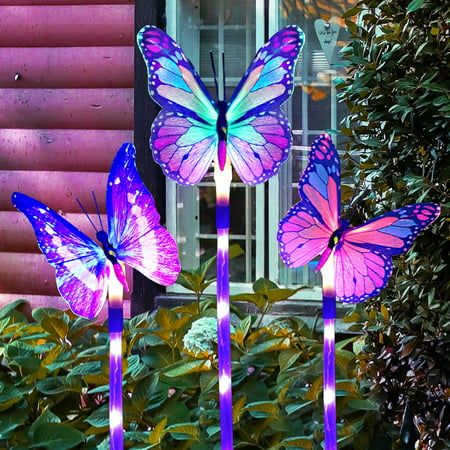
314, 107
225, 26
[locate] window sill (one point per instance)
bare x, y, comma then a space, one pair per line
307, 310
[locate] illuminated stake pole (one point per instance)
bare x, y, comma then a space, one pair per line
329, 371
222, 179
115, 318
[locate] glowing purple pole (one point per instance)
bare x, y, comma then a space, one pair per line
222, 179
329, 371
115, 319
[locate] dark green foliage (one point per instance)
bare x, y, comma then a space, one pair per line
54, 376
398, 97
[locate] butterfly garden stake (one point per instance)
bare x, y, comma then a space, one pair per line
249, 133
85, 271
356, 262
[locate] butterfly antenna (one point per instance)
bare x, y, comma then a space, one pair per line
214, 73
98, 211
223, 73
87, 215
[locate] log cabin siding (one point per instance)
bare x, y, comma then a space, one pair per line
66, 105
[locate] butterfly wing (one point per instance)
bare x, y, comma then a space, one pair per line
257, 146
364, 257
305, 231
183, 146
134, 230
269, 80
301, 235
81, 265
259, 136
184, 136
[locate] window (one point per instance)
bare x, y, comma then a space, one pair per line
227, 26
236, 27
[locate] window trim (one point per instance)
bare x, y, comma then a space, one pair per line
260, 207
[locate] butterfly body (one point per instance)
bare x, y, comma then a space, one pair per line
111, 256
222, 129
192, 130
363, 254
134, 237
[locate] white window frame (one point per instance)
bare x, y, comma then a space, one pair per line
274, 262
171, 186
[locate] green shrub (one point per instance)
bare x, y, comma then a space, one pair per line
398, 97
54, 382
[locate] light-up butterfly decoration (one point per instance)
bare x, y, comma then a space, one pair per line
85, 270
356, 262
250, 131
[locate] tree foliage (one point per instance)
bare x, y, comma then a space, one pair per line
398, 98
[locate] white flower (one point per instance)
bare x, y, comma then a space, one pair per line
202, 336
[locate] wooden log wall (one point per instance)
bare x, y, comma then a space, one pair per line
66, 105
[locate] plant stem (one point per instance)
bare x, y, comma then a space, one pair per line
115, 318
329, 364
223, 182
263, 313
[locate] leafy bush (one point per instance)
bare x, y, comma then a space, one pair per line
54, 382
398, 97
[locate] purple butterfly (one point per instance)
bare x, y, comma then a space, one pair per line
363, 254
134, 237
191, 130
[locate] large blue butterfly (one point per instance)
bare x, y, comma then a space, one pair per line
135, 237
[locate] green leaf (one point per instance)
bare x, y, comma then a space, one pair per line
57, 385
303, 442
208, 381
99, 418
56, 436
184, 431
6, 310
415, 5
296, 407
165, 318
143, 392
270, 345
10, 420
351, 12
55, 326
287, 358
261, 410
46, 417
263, 285
189, 367
13, 395
158, 432
189, 280
365, 405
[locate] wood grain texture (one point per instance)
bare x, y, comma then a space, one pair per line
17, 234
60, 67
66, 26
107, 109
58, 190
60, 150
37, 279
63, 2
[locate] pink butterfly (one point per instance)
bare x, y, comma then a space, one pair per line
363, 254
